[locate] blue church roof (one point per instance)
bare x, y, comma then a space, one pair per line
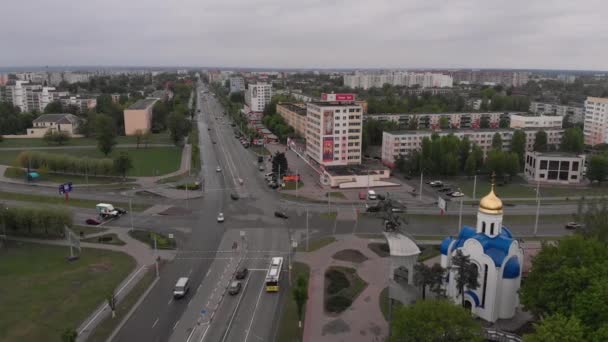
496, 248
511, 270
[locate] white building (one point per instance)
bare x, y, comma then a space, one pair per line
536, 121
333, 133
404, 143
554, 167
409, 79
466, 120
74, 77
575, 113
83, 103
67, 123
596, 121
237, 84
258, 96
498, 257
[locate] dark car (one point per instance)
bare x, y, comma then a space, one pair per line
273, 185
121, 211
235, 288
242, 273
380, 197
373, 209
573, 225
280, 214
93, 221
234, 196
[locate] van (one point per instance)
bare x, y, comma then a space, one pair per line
371, 194
181, 287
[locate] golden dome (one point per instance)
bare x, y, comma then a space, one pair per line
491, 204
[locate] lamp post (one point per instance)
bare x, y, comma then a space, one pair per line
537, 207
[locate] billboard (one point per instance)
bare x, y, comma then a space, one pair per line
291, 178
338, 97
328, 122
328, 149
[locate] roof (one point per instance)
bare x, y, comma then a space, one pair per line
496, 247
294, 108
401, 245
366, 167
58, 118
555, 154
142, 104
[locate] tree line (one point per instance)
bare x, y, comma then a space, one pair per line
61, 163
35, 222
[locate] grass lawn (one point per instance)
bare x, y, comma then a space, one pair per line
161, 138
150, 161
428, 252
288, 326
336, 194
260, 150
106, 239
59, 200
86, 230
48, 294
329, 215
64, 178
162, 241
314, 245
292, 185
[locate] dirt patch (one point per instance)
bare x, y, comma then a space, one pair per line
381, 249
351, 255
337, 326
100, 267
175, 211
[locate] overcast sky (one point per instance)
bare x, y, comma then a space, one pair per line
551, 34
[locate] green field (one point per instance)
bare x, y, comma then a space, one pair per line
152, 161
161, 138
42, 295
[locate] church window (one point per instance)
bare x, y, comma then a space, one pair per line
492, 229
483, 227
485, 285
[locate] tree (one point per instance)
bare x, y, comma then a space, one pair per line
54, 107
444, 122
425, 276
178, 126
497, 141
56, 137
484, 122
557, 328
466, 273
495, 162
122, 164
146, 138
112, 303
434, 320
139, 134
598, 168
594, 217
69, 335
105, 131
300, 295
511, 163
573, 140
518, 145
279, 163
160, 112
540, 141
470, 166
464, 150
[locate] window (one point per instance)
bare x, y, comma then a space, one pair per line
574, 177
543, 164
574, 166
553, 165
492, 229
483, 227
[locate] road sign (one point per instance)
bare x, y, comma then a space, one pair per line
203, 312
65, 188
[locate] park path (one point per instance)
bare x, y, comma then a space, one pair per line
362, 321
144, 257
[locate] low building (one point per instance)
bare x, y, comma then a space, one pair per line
294, 115
139, 116
554, 167
370, 174
404, 143
67, 123
574, 112
536, 121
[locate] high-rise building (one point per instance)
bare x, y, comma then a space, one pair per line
334, 128
258, 96
3, 79
596, 121
237, 84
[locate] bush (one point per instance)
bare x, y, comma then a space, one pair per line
56, 137
38, 222
65, 164
337, 281
337, 304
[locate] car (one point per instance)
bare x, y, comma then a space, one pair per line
436, 184
573, 225
362, 195
457, 194
371, 194
397, 210
213, 141
234, 288
181, 287
280, 214
220, 217
380, 197
372, 209
234, 196
261, 168
93, 221
121, 211
218, 169
242, 273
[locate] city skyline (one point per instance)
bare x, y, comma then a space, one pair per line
265, 34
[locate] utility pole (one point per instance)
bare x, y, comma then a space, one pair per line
297, 182
474, 186
420, 192
537, 207
155, 256
460, 215
131, 210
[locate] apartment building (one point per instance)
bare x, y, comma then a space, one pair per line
333, 131
535, 121
508, 78
596, 121
257, 96
455, 120
294, 115
405, 142
409, 79
139, 116
83, 103
237, 84
575, 112
3, 79
554, 167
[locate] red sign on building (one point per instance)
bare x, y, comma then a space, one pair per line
338, 97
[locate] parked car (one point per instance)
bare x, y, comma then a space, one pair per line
234, 196
362, 195
381, 197
242, 273
93, 221
235, 288
457, 194
436, 184
280, 214
371, 194
220, 217
218, 169
261, 168
573, 225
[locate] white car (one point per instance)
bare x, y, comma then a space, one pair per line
457, 194
220, 217
218, 169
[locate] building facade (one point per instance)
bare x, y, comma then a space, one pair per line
536, 121
575, 113
554, 167
333, 132
432, 121
237, 84
67, 123
365, 80
82, 103
294, 115
257, 96
596, 121
139, 116
404, 143
498, 257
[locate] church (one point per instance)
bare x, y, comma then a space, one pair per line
499, 260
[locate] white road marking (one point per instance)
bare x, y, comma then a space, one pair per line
235, 310
254, 310
153, 325
174, 325
170, 301
189, 272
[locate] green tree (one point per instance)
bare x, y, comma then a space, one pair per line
511, 164
594, 216
466, 273
484, 122
518, 145
54, 107
464, 150
540, 141
146, 138
279, 164
495, 162
497, 141
139, 134
56, 137
105, 131
178, 126
160, 112
300, 295
69, 335
425, 276
434, 320
444, 122
557, 328
122, 164
573, 140
470, 166
598, 168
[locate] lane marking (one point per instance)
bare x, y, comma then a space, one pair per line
189, 272
153, 325
170, 301
235, 310
254, 311
174, 325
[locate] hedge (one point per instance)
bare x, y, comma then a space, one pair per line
36, 222
65, 163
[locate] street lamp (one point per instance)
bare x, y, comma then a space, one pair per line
537, 207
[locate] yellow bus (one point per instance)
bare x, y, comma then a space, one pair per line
274, 274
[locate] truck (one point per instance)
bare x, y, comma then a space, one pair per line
106, 211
